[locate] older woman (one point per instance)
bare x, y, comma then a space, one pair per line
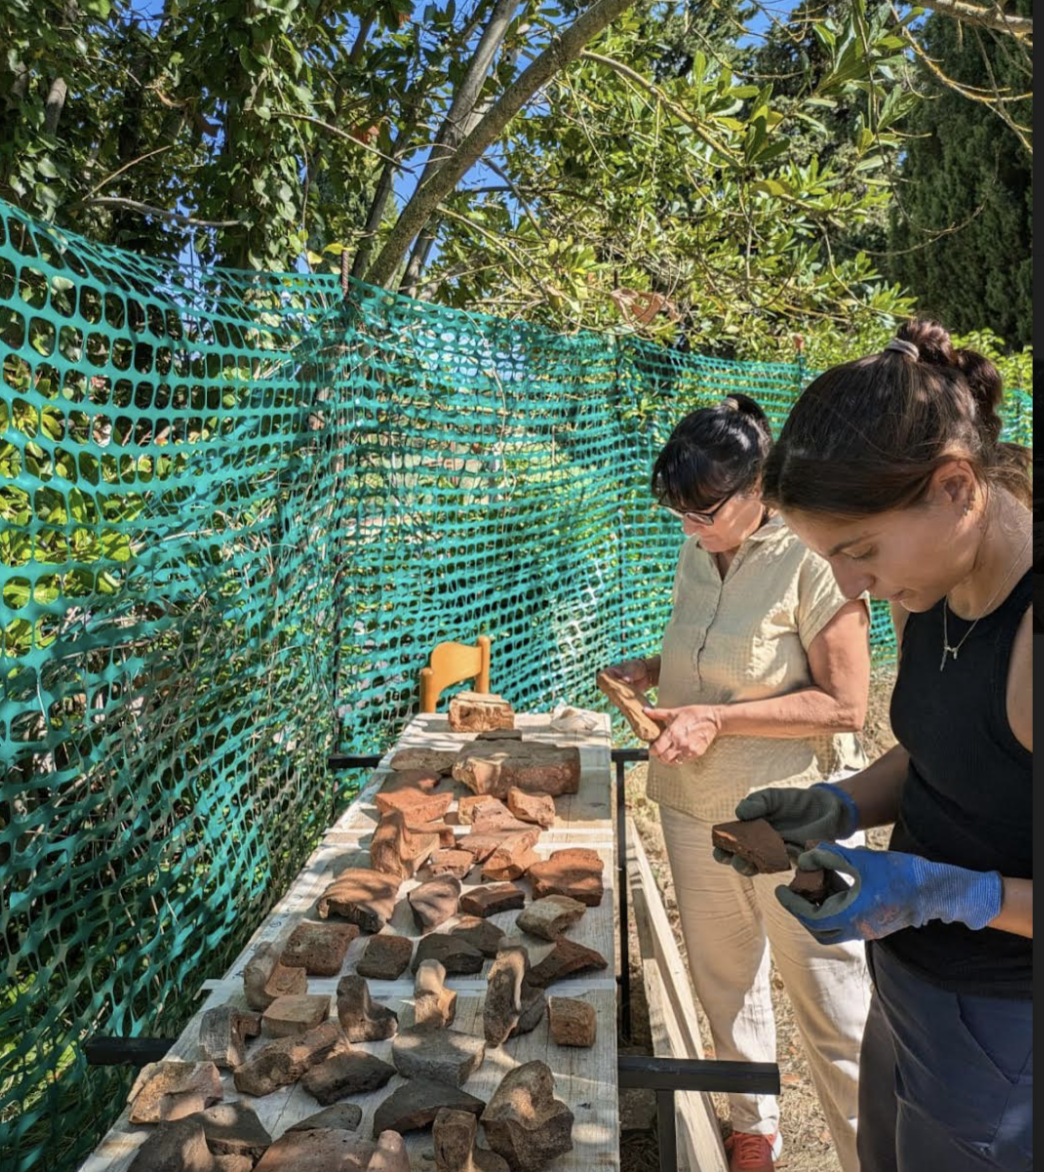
892, 469
763, 680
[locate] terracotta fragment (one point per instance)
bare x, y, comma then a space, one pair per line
425, 781
223, 1031
525, 1123
499, 734
479, 846
180, 1146
441, 830
319, 1149
345, 1074
361, 1018
811, 885
385, 957
171, 1089
319, 947
572, 1022
415, 805
475, 807
755, 841
550, 917
438, 761
446, 1056
566, 959
512, 859
457, 956
362, 896
295, 1015
454, 1136
536, 768
488, 901
480, 712
538, 808
233, 1129
339, 1117
397, 850
479, 933
434, 1006
575, 871
285, 1060
630, 702
435, 901
502, 1005
265, 977
451, 862
415, 1104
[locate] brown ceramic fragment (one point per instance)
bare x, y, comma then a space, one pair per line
525, 1123
233, 1129
415, 805
285, 1060
488, 901
572, 1022
502, 1005
475, 807
435, 901
415, 1104
550, 917
575, 871
362, 896
631, 703
319, 1149
434, 1006
479, 933
340, 1117
499, 734
344, 1074
223, 1031
171, 1089
385, 957
363, 1019
265, 977
447, 1056
566, 959
450, 862
479, 712
438, 761
441, 830
479, 846
455, 955
319, 947
397, 850
454, 1134
535, 768
180, 1146
295, 1014
512, 859
811, 885
754, 840
538, 808
425, 781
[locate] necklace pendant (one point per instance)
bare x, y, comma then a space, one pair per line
948, 650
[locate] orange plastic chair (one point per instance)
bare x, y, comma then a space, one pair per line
451, 663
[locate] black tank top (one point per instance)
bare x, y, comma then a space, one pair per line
967, 799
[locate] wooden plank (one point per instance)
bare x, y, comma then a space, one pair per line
672, 1011
583, 1076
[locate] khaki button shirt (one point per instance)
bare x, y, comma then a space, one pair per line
746, 637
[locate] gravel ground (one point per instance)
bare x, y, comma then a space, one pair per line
807, 1143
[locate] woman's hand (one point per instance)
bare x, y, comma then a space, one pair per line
634, 672
690, 732
891, 890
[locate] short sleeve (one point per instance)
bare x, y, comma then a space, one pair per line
819, 597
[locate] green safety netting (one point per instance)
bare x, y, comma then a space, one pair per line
237, 514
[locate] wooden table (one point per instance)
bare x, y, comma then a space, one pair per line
585, 1079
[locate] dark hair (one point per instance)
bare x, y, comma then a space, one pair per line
713, 453
867, 436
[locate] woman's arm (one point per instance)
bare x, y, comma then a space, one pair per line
876, 789
839, 662
1016, 914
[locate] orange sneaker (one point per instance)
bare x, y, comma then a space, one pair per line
751, 1153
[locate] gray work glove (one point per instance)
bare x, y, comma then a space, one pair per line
822, 811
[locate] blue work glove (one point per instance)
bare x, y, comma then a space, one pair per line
890, 891
798, 816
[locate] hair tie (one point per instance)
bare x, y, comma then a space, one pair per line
904, 347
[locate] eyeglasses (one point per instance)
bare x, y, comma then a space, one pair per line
701, 518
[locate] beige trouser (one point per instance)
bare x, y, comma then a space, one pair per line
728, 922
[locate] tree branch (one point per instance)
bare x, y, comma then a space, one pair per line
562, 50
147, 210
336, 130
995, 18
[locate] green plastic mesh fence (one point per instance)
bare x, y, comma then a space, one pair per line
237, 515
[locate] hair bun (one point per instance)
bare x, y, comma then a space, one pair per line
745, 405
932, 340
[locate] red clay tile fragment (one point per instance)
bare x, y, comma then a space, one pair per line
265, 977
491, 768
385, 957
223, 1031
488, 901
362, 896
319, 947
479, 712
575, 871
435, 901
572, 1022
285, 1060
566, 959
451, 862
396, 849
171, 1089
295, 1015
755, 841
538, 808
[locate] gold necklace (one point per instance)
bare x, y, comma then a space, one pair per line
947, 649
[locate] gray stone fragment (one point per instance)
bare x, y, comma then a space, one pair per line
524, 1122
339, 1117
233, 1129
223, 1031
362, 1018
447, 1056
341, 1075
415, 1104
180, 1146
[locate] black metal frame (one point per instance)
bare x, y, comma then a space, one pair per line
621, 758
